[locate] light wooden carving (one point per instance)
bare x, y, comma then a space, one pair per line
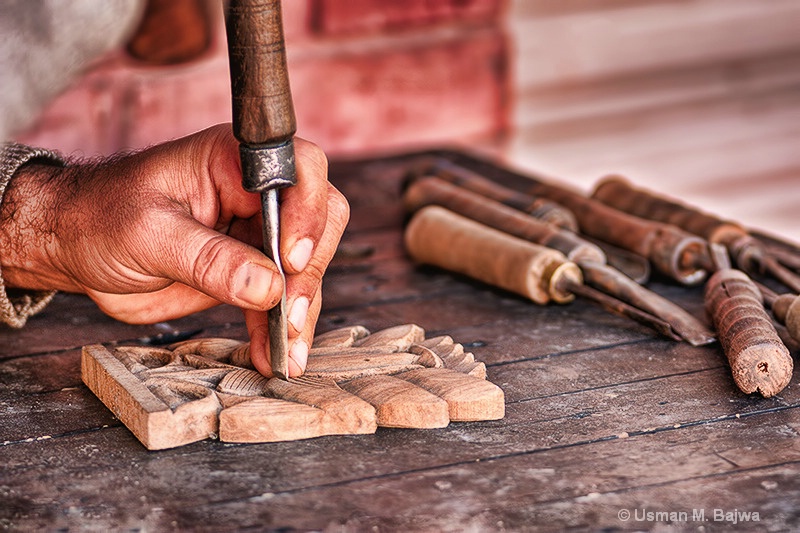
355, 382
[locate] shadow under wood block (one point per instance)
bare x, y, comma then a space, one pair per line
355, 382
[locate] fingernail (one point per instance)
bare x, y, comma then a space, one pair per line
299, 352
298, 313
252, 283
300, 254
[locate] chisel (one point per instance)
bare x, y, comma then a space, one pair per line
747, 252
264, 124
437, 236
429, 190
672, 251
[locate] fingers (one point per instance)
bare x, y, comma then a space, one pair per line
299, 342
304, 296
304, 207
169, 303
217, 265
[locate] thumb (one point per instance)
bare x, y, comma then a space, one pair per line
222, 267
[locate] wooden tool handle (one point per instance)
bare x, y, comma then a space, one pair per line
439, 237
617, 192
672, 251
759, 360
430, 190
540, 208
263, 113
786, 309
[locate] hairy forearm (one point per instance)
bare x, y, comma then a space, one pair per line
28, 220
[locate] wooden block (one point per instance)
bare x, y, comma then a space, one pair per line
344, 413
140, 358
241, 357
270, 420
150, 419
468, 398
340, 338
399, 403
243, 382
427, 357
351, 350
172, 397
435, 342
218, 349
401, 337
354, 365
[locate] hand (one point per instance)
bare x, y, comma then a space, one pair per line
169, 231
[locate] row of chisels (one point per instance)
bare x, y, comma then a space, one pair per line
539, 240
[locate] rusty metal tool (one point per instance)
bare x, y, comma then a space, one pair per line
590, 259
672, 251
759, 361
439, 237
747, 252
264, 124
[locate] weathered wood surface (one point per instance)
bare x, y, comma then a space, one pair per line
601, 416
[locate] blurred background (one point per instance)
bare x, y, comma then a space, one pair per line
699, 99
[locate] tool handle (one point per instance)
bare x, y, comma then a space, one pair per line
441, 238
617, 192
430, 190
537, 207
263, 113
672, 251
786, 309
759, 360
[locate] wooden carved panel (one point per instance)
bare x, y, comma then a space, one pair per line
354, 383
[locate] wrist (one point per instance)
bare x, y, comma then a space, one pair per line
27, 214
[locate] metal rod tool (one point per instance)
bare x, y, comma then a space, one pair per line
747, 252
612, 283
264, 124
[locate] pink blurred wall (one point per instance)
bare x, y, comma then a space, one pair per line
367, 76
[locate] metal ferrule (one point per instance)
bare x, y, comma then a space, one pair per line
268, 167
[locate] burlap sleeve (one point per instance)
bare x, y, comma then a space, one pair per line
17, 305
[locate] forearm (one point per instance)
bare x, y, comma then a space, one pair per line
22, 171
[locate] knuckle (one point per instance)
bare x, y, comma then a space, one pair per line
211, 253
338, 208
313, 156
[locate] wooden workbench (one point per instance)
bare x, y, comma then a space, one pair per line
605, 422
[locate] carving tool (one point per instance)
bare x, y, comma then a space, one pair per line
264, 124
439, 237
672, 251
785, 309
759, 361
589, 258
747, 252
540, 208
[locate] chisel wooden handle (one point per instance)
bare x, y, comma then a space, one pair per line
759, 360
263, 113
671, 250
747, 252
438, 237
430, 190
618, 193
786, 309
539, 208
